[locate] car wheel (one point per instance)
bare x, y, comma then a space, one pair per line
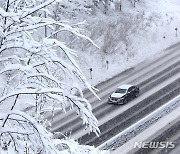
125, 101
137, 94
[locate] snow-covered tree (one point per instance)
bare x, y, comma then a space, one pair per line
70, 8
111, 5
37, 74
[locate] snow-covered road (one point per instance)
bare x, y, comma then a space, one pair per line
150, 133
158, 80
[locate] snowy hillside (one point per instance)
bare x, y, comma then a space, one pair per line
128, 37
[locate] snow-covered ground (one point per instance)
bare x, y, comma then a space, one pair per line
144, 32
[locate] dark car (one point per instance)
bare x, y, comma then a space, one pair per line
123, 94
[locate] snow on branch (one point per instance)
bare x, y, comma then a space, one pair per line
18, 133
39, 69
27, 12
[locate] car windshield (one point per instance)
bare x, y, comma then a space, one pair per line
119, 90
